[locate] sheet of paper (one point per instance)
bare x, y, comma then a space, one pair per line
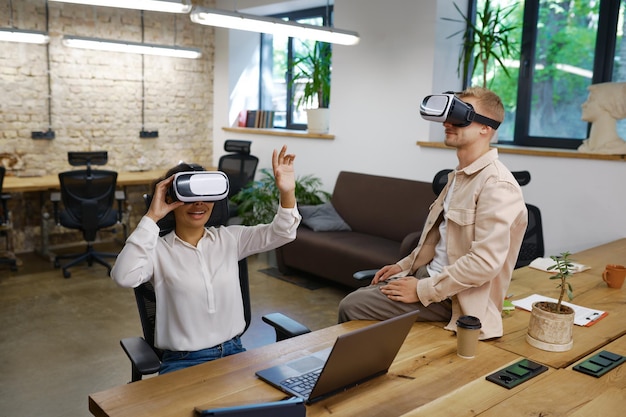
583, 316
543, 264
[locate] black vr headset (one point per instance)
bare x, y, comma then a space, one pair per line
191, 186
447, 108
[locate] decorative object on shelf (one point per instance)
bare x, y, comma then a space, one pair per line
263, 24
258, 201
551, 324
314, 68
485, 38
605, 105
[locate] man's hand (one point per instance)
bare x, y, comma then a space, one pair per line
385, 273
402, 289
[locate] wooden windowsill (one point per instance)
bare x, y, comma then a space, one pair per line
522, 150
278, 132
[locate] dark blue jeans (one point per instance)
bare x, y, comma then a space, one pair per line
174, 360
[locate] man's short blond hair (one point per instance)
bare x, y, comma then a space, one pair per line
489, 103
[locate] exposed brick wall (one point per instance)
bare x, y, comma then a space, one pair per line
96, 97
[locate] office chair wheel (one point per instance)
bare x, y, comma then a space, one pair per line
66, 274
57, 264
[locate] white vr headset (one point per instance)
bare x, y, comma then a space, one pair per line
191, 186
447, 108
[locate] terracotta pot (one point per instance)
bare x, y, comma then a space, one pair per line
550, 331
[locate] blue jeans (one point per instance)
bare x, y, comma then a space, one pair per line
174, 360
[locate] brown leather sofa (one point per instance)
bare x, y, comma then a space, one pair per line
385, 215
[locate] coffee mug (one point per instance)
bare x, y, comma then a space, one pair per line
614, 275
467, 332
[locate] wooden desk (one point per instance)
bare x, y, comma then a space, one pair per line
589, 291
566, 392
426, 368
51, 182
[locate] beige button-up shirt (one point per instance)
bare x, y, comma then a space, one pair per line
486, 223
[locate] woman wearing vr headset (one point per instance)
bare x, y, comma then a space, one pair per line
463, 261
194, 269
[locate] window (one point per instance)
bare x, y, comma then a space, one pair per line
565, 46
277, 56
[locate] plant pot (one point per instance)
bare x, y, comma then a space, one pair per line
318, 120
550, 331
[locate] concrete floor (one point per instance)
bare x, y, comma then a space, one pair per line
59, 338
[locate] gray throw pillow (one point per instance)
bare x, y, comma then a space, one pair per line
323, 218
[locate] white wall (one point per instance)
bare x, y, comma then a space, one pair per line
377, 86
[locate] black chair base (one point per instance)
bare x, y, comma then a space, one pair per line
12, 263
90, 256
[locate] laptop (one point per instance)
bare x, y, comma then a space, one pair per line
355, 357
292, 407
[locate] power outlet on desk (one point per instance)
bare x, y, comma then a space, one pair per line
48, 134
146, 134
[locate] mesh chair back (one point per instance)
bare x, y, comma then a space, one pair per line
88, 197
239, 166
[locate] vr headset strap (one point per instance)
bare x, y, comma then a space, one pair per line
486, 121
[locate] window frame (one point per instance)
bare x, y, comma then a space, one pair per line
323, 12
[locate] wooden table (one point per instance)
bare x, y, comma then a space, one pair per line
589, 291
426, 378
51, 182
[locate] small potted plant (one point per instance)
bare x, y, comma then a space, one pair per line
551, 324
313, 69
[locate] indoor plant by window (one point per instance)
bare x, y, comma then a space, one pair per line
313, 69
258, 201
551, 324
485, 39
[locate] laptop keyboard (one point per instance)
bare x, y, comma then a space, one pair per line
303, 384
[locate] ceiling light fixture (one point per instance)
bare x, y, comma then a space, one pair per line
131, 47
169, 6
271, 25
25, 36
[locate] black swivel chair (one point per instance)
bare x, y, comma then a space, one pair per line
88, 196
5, 225
239, 166
144, 356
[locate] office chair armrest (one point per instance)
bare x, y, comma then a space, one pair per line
284, 326
409, 243
142, 356
366, 275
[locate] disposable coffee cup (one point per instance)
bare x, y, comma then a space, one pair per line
467, 332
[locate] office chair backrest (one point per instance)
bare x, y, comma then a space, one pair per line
532, 244
239, 166
144, 294
88, 197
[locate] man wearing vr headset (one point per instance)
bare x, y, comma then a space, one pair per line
466, 254
194, 269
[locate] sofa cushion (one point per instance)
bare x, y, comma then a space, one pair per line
323, 218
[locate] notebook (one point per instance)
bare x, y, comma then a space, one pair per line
355, 357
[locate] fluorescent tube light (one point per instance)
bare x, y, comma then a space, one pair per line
169, 6
131, 47
25, 36
271, 25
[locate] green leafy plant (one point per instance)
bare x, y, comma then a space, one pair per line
485, 38
313, 68
563, 268
258, 201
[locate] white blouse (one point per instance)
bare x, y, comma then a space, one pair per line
197, 288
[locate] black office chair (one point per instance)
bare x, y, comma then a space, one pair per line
144, 356
5, 225
239, 166
88, 196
